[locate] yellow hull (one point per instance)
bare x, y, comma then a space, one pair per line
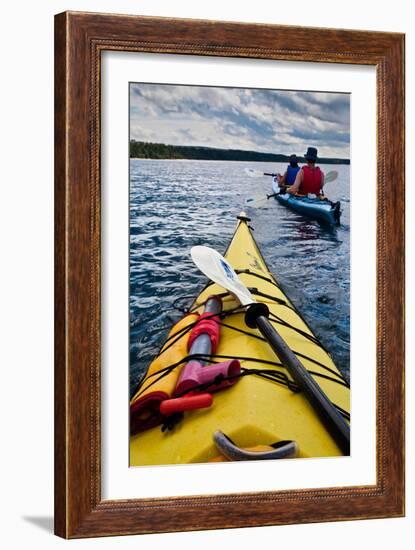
255, 411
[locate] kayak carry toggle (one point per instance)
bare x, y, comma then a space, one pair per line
281, 449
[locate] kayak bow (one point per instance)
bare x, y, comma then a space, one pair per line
263, 410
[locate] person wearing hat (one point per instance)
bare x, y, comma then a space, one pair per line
310, 179
288, 178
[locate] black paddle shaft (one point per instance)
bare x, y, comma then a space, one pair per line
329, 415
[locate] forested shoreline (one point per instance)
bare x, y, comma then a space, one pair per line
147, 150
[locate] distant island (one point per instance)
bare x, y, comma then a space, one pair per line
146, 150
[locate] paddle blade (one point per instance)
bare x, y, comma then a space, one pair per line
218, 270
331, 176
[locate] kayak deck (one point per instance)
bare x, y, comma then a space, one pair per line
256, 410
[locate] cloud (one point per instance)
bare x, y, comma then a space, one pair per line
276, 121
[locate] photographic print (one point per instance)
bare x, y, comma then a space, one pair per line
239, 274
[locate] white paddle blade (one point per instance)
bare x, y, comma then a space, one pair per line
331, 176
216, 268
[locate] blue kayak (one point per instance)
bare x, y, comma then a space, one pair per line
318, 209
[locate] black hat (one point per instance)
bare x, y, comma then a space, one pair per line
311, 154
293, 158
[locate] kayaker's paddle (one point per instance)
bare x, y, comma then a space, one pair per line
214, 266
254, 173
258, 200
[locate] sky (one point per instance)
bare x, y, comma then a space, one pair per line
270, 121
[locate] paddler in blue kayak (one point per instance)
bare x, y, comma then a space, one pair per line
288, 178
310, 179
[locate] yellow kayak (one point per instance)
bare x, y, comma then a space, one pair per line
261, 407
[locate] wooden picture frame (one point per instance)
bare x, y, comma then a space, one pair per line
79, 40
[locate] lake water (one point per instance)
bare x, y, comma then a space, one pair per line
177, 204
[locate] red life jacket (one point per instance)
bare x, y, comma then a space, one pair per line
311, 181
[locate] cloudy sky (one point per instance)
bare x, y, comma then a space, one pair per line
271, 121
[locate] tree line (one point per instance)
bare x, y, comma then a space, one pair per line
147, 150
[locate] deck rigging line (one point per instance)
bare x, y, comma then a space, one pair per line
269, 374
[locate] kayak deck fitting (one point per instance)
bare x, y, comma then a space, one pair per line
264, 407
316, 208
